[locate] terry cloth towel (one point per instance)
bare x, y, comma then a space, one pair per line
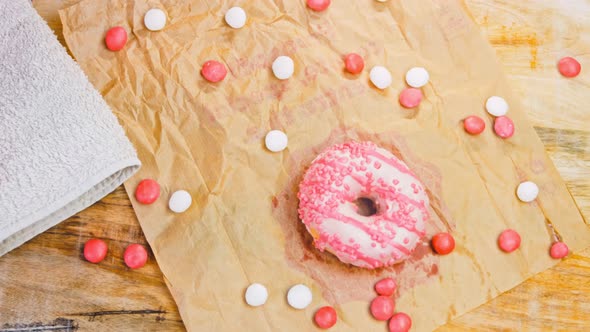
61, 148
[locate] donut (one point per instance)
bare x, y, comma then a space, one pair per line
362, 204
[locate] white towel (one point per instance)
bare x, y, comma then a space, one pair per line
61, 148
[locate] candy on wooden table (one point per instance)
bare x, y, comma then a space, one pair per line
509, 240
504, 127
155, 19
569, 67
400, 322
299, 296
256, 295
325, 317
354, 63
410, 97
417, 77
135, 256
382, 307
213, 71
386, 287
527, 191
147, 191
497, 106
318, 5
236, 17
180, 201
380, 77
283, 67
474, 125
95, 250
276, 141
116, 38
443, 243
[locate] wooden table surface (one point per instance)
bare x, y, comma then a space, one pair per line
45, 285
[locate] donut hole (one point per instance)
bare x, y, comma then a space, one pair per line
366, 206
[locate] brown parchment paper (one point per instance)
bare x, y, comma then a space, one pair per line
243, 226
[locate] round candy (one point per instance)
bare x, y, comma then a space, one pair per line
400, 322
116, 38
235, 17
299, 296
95, 250
496, 106
276, 140
569, 67
410, 97
283, 67
417, 77
147, 191
504, 127
443, 243
135, 256
213, 71
380, 77
527, 191
325, 317
180, 201
382, 307
354, 63
474, 125
559, 250
318, 5
256, 295
155, 19
386, 287
509, 240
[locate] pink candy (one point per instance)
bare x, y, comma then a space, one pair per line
504, 127
569, 67
382, 307
116, 39
318, 5
213, 71
410, 97
474, 125
354, 63
559, 250
386, 287
509, 240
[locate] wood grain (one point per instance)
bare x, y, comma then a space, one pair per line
47, 286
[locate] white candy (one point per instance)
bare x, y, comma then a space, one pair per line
180, 201
299, 296
417, 77
235, 17
283, 67
380, 76
496, 106
527, 191
256, 295
155, 19
276, 140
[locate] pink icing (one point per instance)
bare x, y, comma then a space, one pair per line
341, 175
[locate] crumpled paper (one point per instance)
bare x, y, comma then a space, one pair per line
243, 226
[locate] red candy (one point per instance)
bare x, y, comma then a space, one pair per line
116, 38
509, 240
474, 125
569, 67
504, 127
559, 250
95, 250
325, 317
318, 5
386, 287
410, 97
213, 71
147, 191
135, 256
354, 63
443, 243
382, 307
400, 322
